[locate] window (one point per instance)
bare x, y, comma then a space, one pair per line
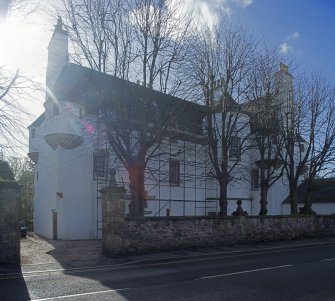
255, 178
55, 109
174, 173
33, 133
302, 148
234, 149
100, 165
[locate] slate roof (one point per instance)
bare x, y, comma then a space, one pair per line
323, 192
301, 139
88, 87
38, 121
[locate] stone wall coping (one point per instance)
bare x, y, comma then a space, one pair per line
166, 218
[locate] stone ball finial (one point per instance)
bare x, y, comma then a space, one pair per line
239, 210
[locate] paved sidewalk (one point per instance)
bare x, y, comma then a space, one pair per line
38, 252
36, 249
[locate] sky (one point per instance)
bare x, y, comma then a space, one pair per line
301, 29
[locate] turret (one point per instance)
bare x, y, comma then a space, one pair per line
284, 89
57, 54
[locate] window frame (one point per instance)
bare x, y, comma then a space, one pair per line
174, 173
100, 174
235, 149
255, 181
301, 148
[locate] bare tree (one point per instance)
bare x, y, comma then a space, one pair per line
135, 39
321, 114
100, 34
6, 173
132, 40
21, 8
15, 89
220, 67
19, 165
263, 109
308, 133
136, 138
23, 172
161, 29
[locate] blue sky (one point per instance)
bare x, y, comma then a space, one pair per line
303, 29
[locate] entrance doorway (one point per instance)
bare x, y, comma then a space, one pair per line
54, 224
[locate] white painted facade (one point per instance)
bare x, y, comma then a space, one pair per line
67, 202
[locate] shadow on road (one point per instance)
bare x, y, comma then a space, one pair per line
12, 284
91, 276
76, 257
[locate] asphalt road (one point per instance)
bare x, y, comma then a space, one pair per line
304, 272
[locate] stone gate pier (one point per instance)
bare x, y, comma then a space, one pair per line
10, 206
113, 220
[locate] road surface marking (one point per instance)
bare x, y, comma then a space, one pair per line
60, 270
245, 272
178, 259
328, 259
82, 294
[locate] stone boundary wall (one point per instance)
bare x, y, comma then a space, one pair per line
154, 234
10, 206
122, 235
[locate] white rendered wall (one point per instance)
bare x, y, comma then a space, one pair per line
76, 207
69, 173
46, 183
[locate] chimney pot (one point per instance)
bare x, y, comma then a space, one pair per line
283, 67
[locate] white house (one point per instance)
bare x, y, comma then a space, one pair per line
72, 157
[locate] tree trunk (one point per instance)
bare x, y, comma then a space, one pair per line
137, 191
264, 199
223, 201
307, 209
293, 197
263, 185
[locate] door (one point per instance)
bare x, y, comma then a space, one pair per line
54, 224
